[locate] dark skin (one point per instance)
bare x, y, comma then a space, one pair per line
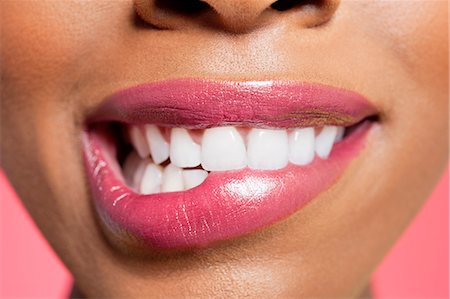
61, 58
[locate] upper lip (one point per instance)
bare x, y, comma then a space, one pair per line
194, 103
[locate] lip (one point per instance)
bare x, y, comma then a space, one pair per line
206, 103
231, 203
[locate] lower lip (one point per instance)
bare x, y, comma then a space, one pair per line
226, 205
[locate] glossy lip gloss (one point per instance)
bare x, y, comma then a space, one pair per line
227, 204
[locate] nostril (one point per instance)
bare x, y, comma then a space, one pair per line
283, 5
233, 15
186, 7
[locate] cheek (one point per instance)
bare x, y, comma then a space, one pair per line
37, 46
47, 46
417, 31
47, 57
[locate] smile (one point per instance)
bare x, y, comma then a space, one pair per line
184, 163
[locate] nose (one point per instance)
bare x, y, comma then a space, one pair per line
233, 15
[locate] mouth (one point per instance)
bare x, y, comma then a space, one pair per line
186, 163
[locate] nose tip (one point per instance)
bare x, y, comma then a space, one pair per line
233, 15
238, 15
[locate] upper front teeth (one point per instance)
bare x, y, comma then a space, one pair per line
325, 141
267, 149
184, 152
159, 147
301, 146
219, 149
220, 143
137, 139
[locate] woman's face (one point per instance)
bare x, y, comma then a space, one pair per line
60, 60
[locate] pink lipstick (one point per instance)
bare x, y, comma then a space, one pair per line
227, 204
201, 103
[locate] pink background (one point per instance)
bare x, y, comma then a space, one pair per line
417, 267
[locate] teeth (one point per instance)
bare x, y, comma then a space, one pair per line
184, 152
267, 149
301, 146
159, 147
151, 179
133, 169
340, 134
223, 149
325, 140
138, 140
130, 166
172, 179
193, 177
